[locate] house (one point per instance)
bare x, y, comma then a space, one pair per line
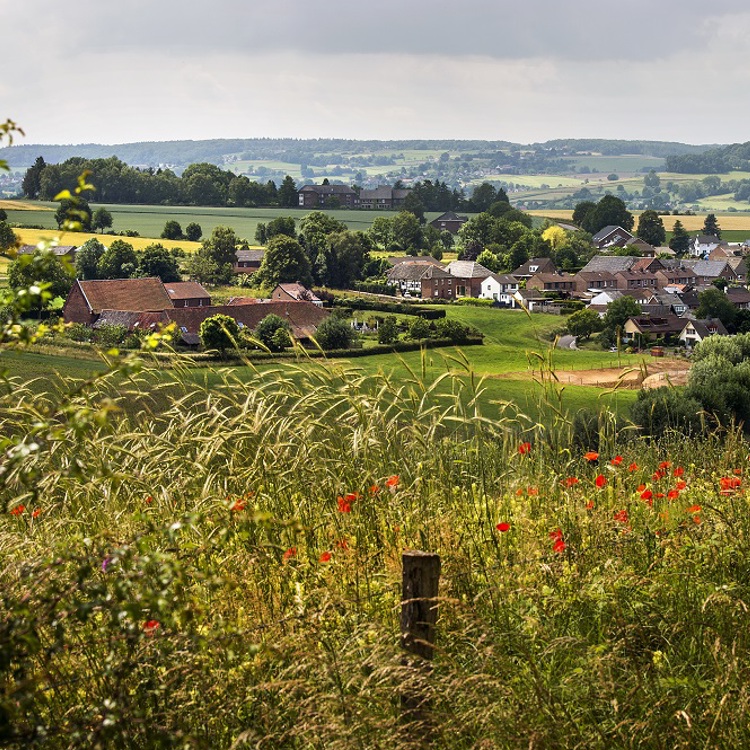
317, 196
560, 284
303, 317
601, 301
642, 247
295, 292
63, 252
739, 296
703, 244
468, 275
449, 222
610, 263
407, 276
534, 266
630, 279
531, 300
651, 265
594, 281
676, 276
501, 288
248, 261
647, 327
696, 331
383, 198
396, 259
707, 271
437, 282
611, 236
87, 299
187, 294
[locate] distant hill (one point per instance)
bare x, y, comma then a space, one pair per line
316, 151
718, 160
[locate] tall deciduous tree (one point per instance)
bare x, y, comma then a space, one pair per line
651, 228
101, 220
42, 267
156, 260
284, 261
172, 230
87, 259
221, 246
609, 211
8, 237
193, 232
119, 261
219, 332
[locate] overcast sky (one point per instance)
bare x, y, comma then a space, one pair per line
524, 71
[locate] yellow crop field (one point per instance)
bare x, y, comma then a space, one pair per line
33, 236
23, 206
728, 221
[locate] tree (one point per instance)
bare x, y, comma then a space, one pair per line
413, 204
32, 180
651, 228
74, 214
288, 193
609, 211
713, 303
680, 241
419, 329
407, 232
284, 261
583, 323
334, 333
484, 196
659, 411
555, 236
119, 261
41, 268
273, 333
87, 259
381, 232
172, 231
193, 232
219, 332
711, 226
8, 238
102, 219
616, 316
280, 225
221, 246
348, 254
388, 330
156, 260
201, 267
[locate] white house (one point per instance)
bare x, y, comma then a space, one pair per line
696, 330
703, 244
501, 288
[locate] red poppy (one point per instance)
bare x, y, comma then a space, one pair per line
616, 461
344, 505
325, 557
35, 513
532, 491
289, 554
633, 467
374, 489
665, 464
640, 488
680, 485
392, 481
342, 544
729, 484
238, 504
570, 481
503, 526
556, 534
559, 546
524, 448
679, 471
591, 456
18, 510
657, 475
647, 495
590, 505
673, 494
149, 500
621, 516
737, 471
601, 481
696, 519
660, 494
694, 509
151, 626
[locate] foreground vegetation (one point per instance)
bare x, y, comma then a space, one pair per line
225, 571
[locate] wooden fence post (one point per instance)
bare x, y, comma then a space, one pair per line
421, 576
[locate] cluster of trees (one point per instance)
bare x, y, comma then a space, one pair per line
121, 261
718, 391
201, 184
173, 231
610, 210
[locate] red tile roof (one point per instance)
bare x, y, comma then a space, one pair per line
186, 290
139, 295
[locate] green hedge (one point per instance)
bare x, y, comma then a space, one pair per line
364, 303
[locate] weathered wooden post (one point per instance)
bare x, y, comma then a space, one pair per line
421, 576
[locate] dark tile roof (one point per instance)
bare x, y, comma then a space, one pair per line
186, 290
468, 269
396, 259
610, 263
139, 295
58, 250
145, 321
250, 256
416, 271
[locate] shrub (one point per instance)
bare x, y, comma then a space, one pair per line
219, 332
334, 333
419, 329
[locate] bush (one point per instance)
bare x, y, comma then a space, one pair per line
334, 333
388, 330
419, 329
219, 332
662, 410
79, 332
109, 336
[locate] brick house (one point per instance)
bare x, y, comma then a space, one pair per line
296, 293
562, 284
449, 222
611, 236
318, 196
383, 198
468, 277
188, 294
248, 261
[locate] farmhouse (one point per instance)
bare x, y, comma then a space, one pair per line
248, 261
409, 274
449, 222
296, 293
187, 294
383, 198
533, 266
468, 276
611, 236
501, 288
63, 252
696, 330
316, 196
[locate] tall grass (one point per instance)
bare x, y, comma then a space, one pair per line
218, 565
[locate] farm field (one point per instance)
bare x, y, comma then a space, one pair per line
149, 220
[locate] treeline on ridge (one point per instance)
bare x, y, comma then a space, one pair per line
717, 160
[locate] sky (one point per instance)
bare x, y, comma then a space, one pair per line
521, 71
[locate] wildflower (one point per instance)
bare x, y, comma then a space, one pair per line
737, 471
149, 500
621, 516
616, 461
18, 510
105, 564
678, 472
591, 456
673, 494
633, 467
694, 509
151, 626
570, 481
657, 475
559, 546
503, 526
238, 504
601, 481
342, 544
325, 557
392, 481
289, 554
659, 494
345, 505
729, 484
648, 496
696, 519
681, 485
35, 513
556, 534
640, 488
532, 491
665, 464
374, 489
590, 505
524, 448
